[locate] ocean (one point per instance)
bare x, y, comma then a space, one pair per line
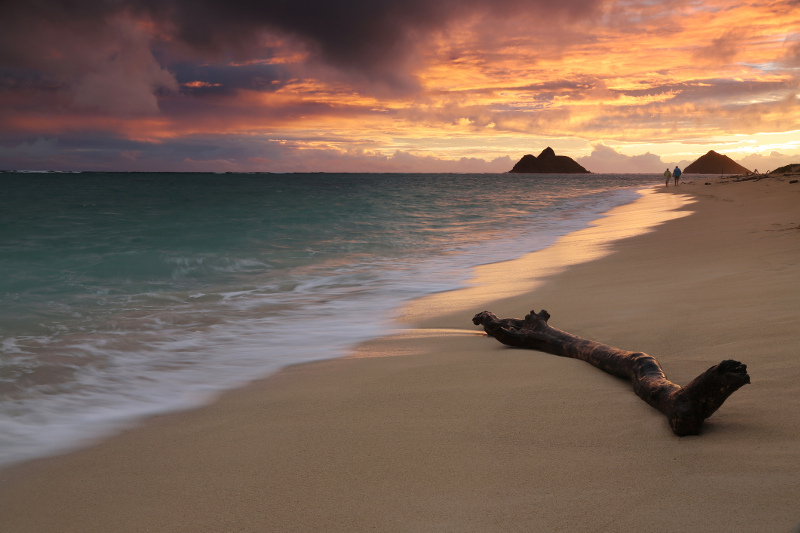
128, 294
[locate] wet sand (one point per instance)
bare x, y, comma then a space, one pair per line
440, 428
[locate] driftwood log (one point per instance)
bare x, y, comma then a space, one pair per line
685, 407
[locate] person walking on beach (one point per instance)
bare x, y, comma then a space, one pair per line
676, 174
667, 175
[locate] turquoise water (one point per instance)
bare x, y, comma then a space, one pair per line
123, 295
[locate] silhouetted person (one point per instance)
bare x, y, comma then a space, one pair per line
676, 174
667, 175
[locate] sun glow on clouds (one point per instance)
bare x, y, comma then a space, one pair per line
669, 80
200, 84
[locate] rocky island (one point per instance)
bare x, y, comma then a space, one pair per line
548, 163
715, 163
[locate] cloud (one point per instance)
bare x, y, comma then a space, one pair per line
763, 163
214, 79
38, 148
605, 160
371, 38
353, 33
722, 50
103, 62
406, 162
125, 78
390, 84
234, 153
792, 53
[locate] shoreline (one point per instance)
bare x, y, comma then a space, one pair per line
91, 418
463, 434
499, 281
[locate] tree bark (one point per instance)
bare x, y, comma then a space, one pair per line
686, 408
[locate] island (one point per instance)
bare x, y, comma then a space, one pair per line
548, 163
715, 163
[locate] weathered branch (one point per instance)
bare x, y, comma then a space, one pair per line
685, 407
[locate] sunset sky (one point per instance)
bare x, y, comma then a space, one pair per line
396, 85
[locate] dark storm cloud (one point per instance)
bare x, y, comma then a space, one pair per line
366, 35
26, 79
348, 33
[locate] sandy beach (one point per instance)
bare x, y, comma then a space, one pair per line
441, 428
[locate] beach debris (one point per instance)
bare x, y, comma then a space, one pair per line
686, 408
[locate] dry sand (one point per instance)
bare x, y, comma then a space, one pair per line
440, 428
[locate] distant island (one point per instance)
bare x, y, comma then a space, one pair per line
548, 163
714, 163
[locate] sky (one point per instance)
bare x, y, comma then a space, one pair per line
396, 85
